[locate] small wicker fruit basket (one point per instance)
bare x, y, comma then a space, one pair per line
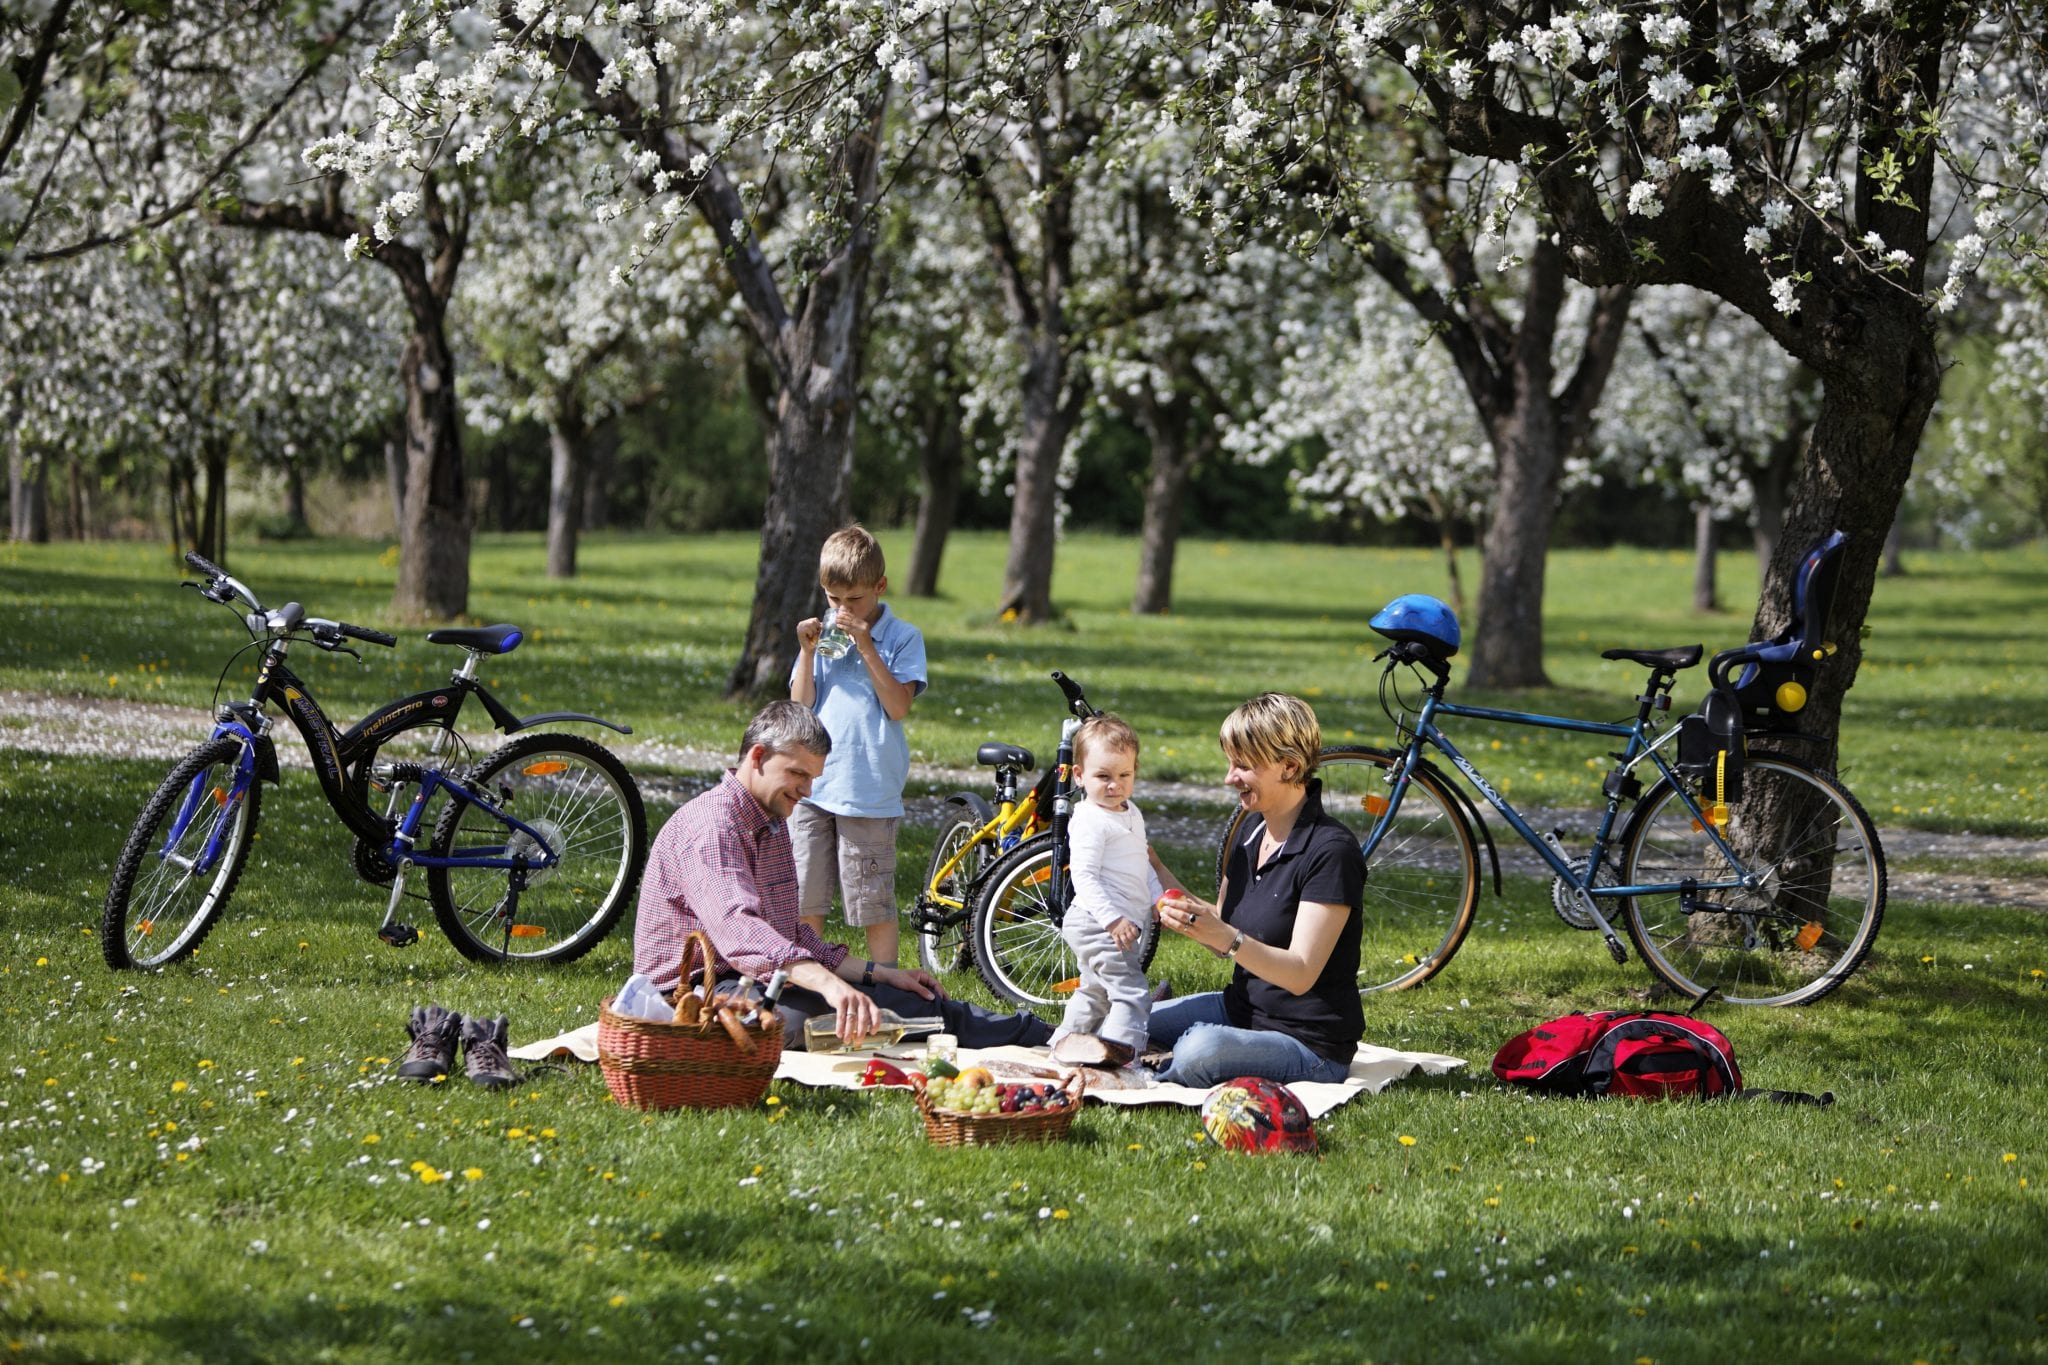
708, 1057
951, 1128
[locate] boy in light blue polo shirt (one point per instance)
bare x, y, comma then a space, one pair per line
846, 831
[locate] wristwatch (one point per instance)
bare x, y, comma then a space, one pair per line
1235, 944
867, 972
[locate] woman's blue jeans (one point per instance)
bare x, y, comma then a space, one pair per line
1208, 1051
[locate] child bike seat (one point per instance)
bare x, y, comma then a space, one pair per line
1004, 756
483, 639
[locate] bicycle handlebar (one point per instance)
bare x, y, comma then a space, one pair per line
1077, 701
291, 616
365, 634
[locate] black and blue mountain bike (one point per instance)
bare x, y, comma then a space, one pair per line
530, 854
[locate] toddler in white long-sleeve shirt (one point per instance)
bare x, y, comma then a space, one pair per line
1116, 879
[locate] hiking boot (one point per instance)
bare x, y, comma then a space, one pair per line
483, 1052
435, 1033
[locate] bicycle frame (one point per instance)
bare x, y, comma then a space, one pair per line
401, 839
1013, 823
1638, 746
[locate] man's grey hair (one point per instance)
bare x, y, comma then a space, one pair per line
783, 726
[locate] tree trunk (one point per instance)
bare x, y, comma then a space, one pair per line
566, 434
1173, 459
434, 525
1874, 405
28, 497
816, 361
394, 478
1706, 596
1447, 540
212, 538
1507, 647
940, 464
810, 460
1034, 509
295, 494
601, 452
810, 464
1895, 548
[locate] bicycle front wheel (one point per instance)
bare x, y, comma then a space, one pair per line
1017, 944
1785, 927
1422, 883
182, 860
581, 801
943, 941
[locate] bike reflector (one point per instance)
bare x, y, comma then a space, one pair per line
1043, 874
528, 931
220, 796
1808, 935
547, 767
1374, 805
1067, 987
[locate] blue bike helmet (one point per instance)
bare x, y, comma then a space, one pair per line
1417, 616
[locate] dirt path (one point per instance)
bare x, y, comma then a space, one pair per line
1188, 813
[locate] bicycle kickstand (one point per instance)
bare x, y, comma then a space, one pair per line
1614, 948
392, 931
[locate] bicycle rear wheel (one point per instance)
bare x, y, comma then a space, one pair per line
182, 860
1017, 944
944, 943
581, 800
1423, 882
1809, 912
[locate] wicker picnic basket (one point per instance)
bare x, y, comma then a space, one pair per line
950, 1128
706, 1058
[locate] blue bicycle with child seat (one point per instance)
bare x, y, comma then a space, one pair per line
531, 853
1747, 874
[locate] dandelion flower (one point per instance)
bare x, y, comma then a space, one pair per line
1406, 1141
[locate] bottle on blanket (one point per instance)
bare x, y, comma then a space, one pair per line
821, 1031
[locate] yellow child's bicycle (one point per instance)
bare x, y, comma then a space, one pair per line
996, 890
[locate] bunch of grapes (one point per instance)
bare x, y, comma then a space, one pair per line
965, 1096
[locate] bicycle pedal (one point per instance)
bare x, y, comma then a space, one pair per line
398, 935
1616, 951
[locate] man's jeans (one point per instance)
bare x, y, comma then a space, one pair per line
1208, 1051
971, 1024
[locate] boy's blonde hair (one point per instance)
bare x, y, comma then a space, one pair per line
1111, 732
851, 558
1274, 728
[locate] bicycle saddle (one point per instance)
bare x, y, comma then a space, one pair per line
484, 639
1004, 756
1685, 656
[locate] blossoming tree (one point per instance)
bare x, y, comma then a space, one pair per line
1795, 159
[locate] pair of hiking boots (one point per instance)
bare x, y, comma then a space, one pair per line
437, 1033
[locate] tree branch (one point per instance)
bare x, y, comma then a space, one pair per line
327, 47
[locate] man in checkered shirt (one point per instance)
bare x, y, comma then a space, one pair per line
724, 864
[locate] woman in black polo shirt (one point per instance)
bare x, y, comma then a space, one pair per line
1293, 889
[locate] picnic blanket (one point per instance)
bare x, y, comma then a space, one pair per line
1372, 1070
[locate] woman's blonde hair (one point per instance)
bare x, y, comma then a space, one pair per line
1274, 728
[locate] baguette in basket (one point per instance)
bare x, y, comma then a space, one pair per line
717, 1052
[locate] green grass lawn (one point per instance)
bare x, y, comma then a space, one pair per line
213, 1163
1942, 730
